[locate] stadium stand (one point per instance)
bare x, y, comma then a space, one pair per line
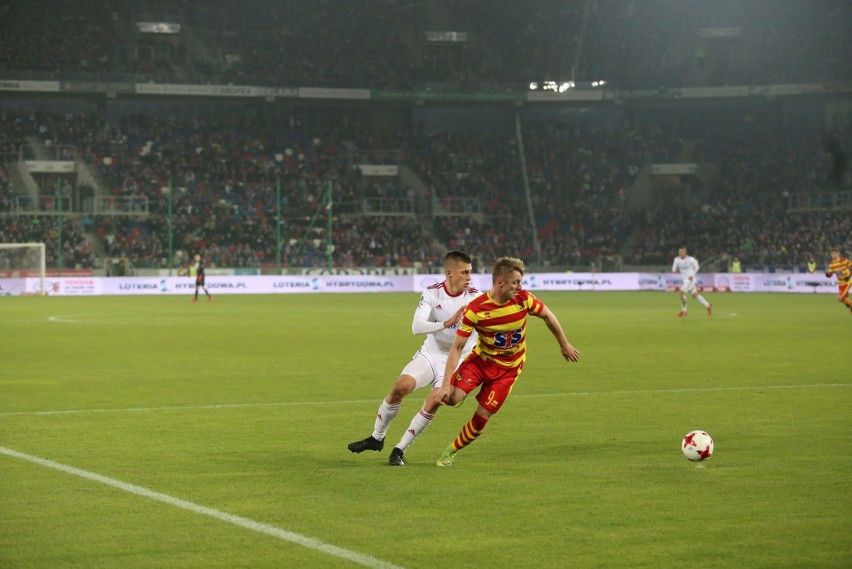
383, 44
572, 191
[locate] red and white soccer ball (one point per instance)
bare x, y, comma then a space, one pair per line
697, 446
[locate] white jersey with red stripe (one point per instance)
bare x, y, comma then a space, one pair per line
435, 307
688, 269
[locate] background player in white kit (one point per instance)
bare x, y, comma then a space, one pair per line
438, 315
688, 267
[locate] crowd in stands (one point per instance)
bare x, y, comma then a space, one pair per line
225, 180
654, 44
579, 179
225, 184
77, 249
13, 128
533, 43
358, 43
746, 212
7, 193
382, 43
456, 166
11, 138
53, 39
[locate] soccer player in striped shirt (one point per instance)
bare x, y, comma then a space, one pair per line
499, 317
437, 316
842, 268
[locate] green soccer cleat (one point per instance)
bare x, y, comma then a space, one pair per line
448, 457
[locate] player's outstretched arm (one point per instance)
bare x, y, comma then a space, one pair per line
421, 324
443, 394
568, 351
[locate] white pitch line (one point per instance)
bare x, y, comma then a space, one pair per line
689, 390
364, 401
99, 319
67, 320
184, 407
247, 523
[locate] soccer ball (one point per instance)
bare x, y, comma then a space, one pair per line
697, 446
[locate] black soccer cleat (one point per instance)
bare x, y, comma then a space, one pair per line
366, 444
397, 457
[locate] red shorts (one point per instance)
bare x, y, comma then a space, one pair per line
496, 381
843, 288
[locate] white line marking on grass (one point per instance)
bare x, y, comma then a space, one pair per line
186, 407
298, 539
363, 401
689, 390
67, 320
111, 319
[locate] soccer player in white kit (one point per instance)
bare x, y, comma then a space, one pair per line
688, 268
438, 316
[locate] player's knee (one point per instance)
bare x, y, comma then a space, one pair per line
403, 387
484, 413
456, 398
431, 405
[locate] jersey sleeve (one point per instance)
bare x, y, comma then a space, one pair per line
468, 323
533, 305
674, 265
421, 324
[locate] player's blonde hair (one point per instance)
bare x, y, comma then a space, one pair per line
506, 266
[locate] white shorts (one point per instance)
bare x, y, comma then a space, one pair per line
426, 369
688, 287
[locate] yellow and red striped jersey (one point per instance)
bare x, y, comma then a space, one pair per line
842, 267
501, 328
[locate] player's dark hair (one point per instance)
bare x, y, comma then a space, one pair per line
457, 256
505, 266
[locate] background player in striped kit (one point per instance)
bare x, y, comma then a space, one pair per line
499, 318
688, 267
438, 314
842, 267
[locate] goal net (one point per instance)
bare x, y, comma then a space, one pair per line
24, 262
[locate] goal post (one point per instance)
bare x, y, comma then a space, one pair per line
24, 260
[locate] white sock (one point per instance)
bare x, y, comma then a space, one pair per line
683, 303
386, 414
418, 424
702, 300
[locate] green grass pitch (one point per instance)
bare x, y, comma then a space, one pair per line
245, 406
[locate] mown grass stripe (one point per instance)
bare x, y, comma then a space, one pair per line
247, 523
